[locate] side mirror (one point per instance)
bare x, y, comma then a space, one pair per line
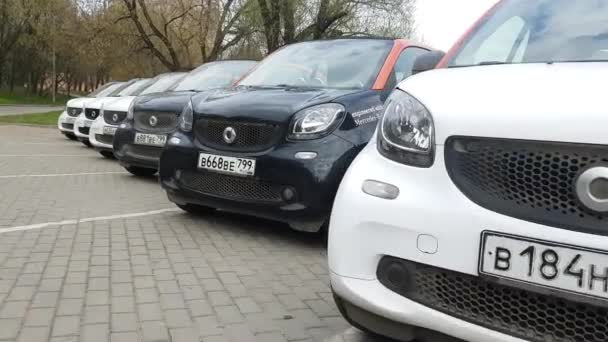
427, 61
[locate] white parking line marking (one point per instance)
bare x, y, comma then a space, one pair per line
90, 219
67, 174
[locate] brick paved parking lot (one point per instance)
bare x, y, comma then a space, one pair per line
90, 253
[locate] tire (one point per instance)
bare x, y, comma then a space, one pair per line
195, 209
86, 143
71, 136
107, 154
141, 171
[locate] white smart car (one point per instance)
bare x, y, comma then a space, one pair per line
113, 112
73, 108
91, 109
481, 211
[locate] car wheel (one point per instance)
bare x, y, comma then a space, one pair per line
141, 171
195, 209
71, 136
107, 154
86, 143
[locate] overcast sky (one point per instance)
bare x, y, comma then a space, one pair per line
441, 22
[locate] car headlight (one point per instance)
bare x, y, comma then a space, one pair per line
406, 133
187, 117
130, 110
316, 122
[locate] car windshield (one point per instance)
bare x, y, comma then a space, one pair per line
163, 82
214, 75
539, 31
136, 88
105, 89
345, 64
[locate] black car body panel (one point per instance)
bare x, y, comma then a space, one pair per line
314, 182
130, 154
296, 174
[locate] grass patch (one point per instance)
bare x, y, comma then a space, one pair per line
42, 119
19, 97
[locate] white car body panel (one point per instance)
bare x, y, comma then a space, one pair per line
82, 121
64, 117
120, 104
558, 102
555, 101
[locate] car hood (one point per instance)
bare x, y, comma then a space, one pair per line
97, 103
79, 102
120, 104
551, 102
163, 102
263, 104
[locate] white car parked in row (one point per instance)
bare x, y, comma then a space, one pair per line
113, 112
481, 212
73, 108
91, 109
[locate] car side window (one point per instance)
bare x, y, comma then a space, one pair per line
405, 62
404, 65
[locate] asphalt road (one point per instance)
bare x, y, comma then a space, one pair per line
27, 109
91, 253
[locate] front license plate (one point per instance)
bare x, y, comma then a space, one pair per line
109, 130
548, 264
70, 120
233, 165
150, 139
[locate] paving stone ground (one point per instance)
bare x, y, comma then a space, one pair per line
168, 276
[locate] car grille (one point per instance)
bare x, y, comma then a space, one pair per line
528, 180
91, 113
105, 139
527, 315
74, 112
84, 130
250, 137
166, 122
67, 126
231, 187
149, 152
109, 117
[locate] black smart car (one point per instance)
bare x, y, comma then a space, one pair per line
140, 138
278, 143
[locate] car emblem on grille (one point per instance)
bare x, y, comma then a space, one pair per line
592, 189
73, 111
115, 117
153, 121
229, 135
94, 114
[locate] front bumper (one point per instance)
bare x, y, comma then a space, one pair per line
65, 123
98, 139
130, 154
430, 223
315, 181
82, 127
